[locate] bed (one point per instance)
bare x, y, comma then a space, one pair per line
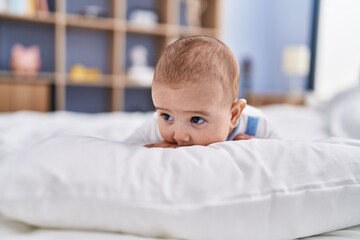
42, 134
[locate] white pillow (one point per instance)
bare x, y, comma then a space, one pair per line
255, 189
344, 114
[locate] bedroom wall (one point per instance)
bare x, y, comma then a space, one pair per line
260, 29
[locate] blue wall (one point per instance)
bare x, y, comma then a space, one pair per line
260, 29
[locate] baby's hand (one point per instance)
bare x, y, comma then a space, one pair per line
242, 136
163, 144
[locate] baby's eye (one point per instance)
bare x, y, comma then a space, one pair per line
197, 120
167, 117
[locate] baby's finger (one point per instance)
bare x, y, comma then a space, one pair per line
242, 136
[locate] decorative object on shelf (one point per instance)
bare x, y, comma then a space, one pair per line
296, 63
194, 11
81, 74
143, 17
140, 72
25, 61
3, 6
18, 7
42, 7
93, 11
24, 7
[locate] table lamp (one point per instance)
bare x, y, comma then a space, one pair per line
295, 64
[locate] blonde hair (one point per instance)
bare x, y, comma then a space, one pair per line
194, 59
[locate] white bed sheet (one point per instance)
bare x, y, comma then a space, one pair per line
23, 128
298, 122
16, 231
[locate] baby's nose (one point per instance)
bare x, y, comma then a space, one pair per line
181, 137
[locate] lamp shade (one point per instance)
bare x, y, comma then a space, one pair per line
296, 60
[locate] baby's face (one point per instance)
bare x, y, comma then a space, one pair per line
192, 115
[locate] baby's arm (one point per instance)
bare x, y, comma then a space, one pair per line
162, 144
254, 124
149, 135
146, 134
242, 136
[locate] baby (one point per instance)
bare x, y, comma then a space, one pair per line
195, 93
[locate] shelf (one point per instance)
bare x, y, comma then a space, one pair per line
48, 18
41, 79
92, 23
67, 37
188, 30
158, 29
102, 81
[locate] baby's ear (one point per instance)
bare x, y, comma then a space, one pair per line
236, 110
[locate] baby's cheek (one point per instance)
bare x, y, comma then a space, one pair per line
165, 134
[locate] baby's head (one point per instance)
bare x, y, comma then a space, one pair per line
195, 90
